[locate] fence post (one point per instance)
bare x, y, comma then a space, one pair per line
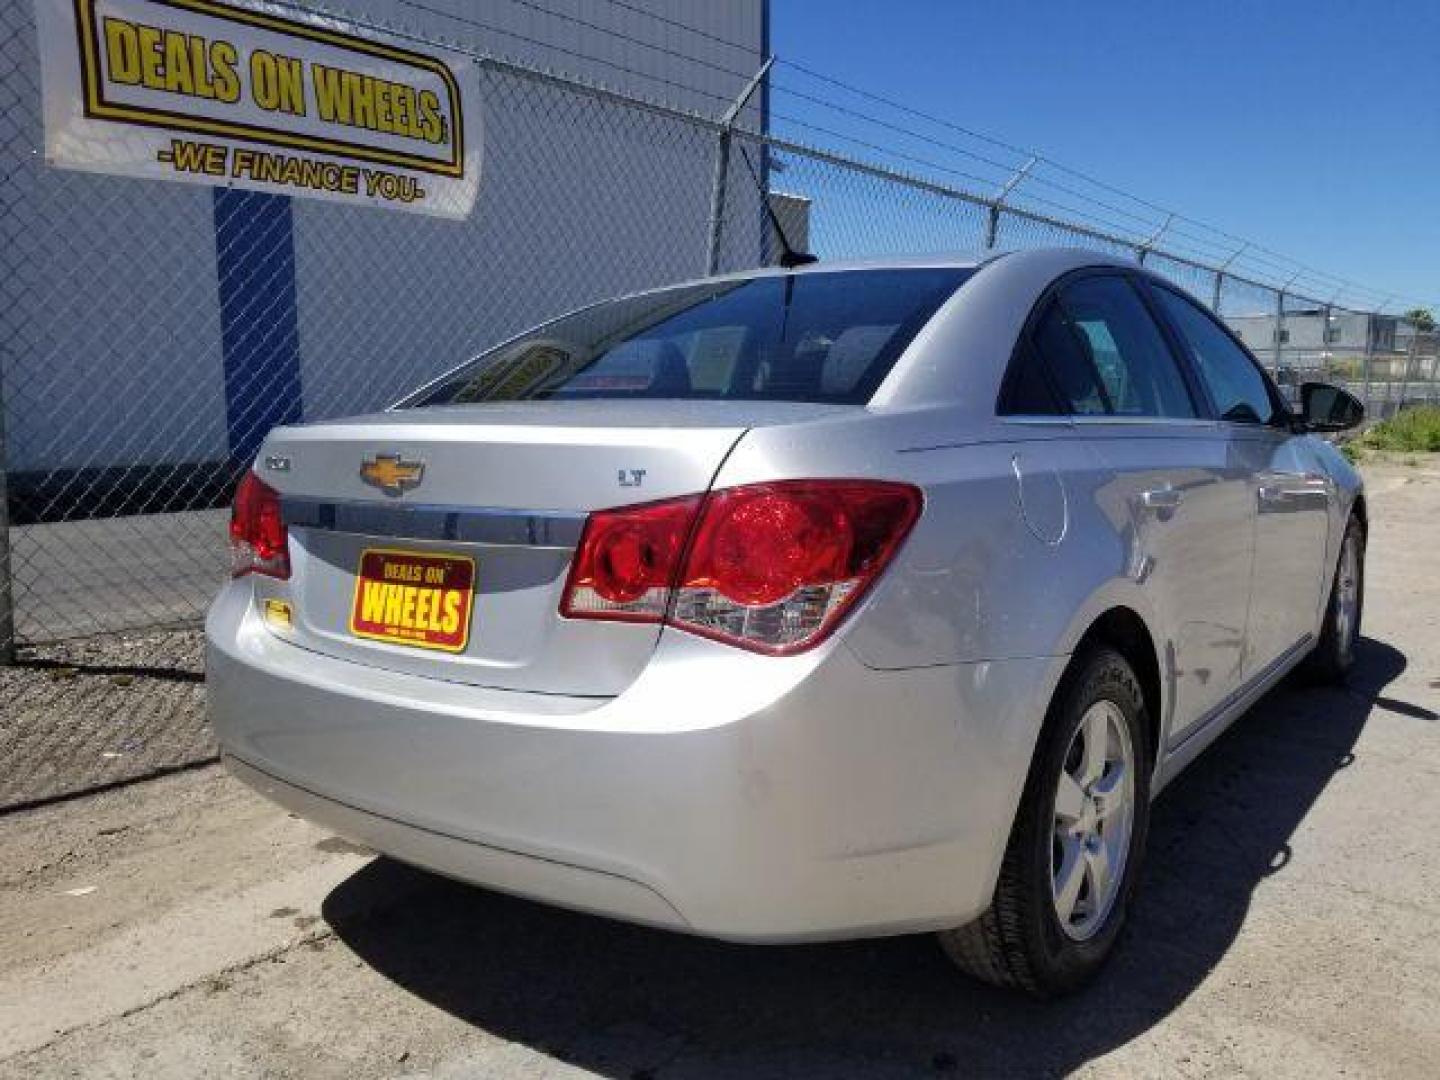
997, 204
1366, 362
1409, 365
1434, 367
992, 226
1391, 405
7, 591
1279, 330
1154, 238
717, 203
722, 167
1220, 275
1325, 357
1434, 376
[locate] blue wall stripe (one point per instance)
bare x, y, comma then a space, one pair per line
259, 325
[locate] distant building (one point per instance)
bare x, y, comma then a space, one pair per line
1346, 344
1311, 330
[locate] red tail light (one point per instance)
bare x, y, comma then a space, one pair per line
626, 561
258, 540
768, 567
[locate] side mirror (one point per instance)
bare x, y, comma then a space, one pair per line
1329, 408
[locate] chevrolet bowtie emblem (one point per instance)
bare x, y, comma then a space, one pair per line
391, 473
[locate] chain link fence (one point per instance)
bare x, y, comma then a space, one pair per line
124, 305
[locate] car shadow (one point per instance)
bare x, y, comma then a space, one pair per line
629, 1002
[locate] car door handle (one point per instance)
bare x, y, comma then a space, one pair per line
1303, 491
1161, 498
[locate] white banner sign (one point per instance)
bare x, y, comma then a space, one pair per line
211, 93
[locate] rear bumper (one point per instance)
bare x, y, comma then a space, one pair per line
742, 797
584, 890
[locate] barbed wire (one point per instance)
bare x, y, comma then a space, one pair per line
1220, 245
1185, 236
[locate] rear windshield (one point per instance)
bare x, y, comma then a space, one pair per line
821, 337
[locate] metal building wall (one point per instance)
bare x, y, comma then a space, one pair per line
186, 273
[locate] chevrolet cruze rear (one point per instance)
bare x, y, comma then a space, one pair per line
756, 608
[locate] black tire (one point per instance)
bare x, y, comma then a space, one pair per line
1333, 657
1019, 941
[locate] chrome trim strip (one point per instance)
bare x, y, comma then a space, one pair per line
1038, 419
1197, 423
424, 521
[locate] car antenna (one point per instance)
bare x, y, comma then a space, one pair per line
789, 257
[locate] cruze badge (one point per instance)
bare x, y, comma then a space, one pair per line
392, 474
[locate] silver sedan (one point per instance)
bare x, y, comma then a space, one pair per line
798, 604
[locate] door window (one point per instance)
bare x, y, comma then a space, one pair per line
1235, 382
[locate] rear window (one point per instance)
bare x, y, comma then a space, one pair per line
821, 337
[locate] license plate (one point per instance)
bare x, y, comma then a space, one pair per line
413, 598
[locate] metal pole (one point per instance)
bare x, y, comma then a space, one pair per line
722, 167
1149, 244
1325, 343
997, 204
1372, 337
1434, 369
717, 204
1410, 365
1220, 275
1366, 363
1279, 329
7, 593
1430, 355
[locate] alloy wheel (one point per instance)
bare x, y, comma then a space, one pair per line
1347, 597
1094, 816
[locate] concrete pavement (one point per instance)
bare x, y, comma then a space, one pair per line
1285, 927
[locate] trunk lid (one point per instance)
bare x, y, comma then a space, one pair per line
500, 488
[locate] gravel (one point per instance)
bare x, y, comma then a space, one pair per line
83, 715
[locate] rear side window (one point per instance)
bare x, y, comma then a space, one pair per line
815, 336
1094, 350
1233, 379
1061, 352
1028, 391
1125, 348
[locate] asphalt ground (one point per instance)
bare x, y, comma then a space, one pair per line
1285, 926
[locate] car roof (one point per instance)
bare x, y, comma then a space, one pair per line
1032, 262
1060, 259
959, 357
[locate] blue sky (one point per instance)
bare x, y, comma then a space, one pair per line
1310, 128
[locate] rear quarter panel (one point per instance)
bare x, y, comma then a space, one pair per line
1022, 543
